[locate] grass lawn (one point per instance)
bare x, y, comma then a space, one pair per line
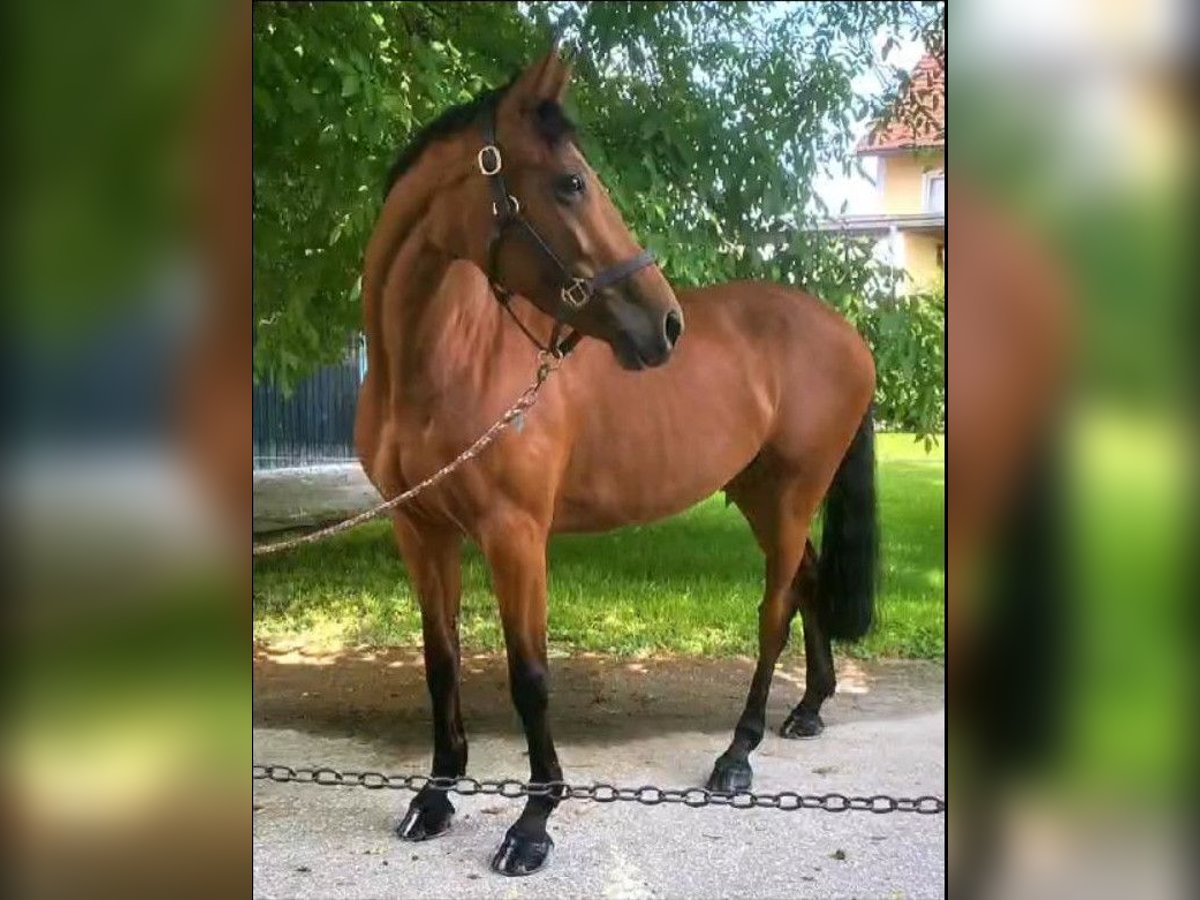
689, 585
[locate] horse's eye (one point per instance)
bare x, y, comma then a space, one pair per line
569, 186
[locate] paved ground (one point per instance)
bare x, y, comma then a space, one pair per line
660, 721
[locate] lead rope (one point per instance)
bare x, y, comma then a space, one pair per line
548, 362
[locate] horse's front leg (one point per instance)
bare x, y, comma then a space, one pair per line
434, 559
515, 547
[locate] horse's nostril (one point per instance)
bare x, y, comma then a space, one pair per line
672, 327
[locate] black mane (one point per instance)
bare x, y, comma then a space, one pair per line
552, 123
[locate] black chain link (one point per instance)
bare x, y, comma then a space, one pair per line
647, 795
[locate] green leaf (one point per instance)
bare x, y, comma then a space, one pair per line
264, 105
694, 163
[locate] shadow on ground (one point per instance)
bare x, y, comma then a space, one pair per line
380, 695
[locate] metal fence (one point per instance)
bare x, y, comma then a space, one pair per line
315, 423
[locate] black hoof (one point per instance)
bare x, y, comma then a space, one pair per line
801, 723
730, 775
521, 853
425, 819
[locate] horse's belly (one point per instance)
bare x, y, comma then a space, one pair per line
650, 444
640, 482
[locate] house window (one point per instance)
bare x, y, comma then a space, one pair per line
934, 200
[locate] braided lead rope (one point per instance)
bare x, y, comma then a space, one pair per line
547, 363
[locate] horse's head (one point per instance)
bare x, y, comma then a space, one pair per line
548, 231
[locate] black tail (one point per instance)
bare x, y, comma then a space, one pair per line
847, 569
1016, 713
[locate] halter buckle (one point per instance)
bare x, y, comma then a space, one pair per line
483, 167
576, 294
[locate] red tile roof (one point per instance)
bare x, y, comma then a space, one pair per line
919, 117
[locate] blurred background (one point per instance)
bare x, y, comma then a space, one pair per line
128, 468
1070, 672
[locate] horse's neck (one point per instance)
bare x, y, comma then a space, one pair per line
433, 327
452, 342
437, 330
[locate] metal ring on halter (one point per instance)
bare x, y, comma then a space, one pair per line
495, 151
576, 294
514, 206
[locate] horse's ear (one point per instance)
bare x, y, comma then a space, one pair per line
546, 79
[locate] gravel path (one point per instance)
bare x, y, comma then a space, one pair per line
629, 723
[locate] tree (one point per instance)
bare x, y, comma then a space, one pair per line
735, 106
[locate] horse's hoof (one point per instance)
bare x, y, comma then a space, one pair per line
521, 853
421, 822
730, 775
801, 723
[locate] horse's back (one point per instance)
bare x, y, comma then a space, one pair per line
787, 325
819, 368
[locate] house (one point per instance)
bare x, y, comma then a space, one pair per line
908, 147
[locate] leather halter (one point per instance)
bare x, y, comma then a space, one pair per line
576, 292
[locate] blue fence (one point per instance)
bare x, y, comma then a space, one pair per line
315, 424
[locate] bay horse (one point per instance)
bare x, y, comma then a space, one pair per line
767, 396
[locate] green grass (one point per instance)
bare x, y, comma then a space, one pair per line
688, 585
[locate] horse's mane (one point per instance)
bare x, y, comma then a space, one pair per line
552, 123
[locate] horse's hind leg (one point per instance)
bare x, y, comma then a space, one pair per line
779, 513
434, 560
819, 679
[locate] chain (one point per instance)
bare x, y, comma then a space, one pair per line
648, 795
548, 362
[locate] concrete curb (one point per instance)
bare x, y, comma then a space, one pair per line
303, 496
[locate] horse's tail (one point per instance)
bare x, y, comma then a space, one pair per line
847, 568
1016, 712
